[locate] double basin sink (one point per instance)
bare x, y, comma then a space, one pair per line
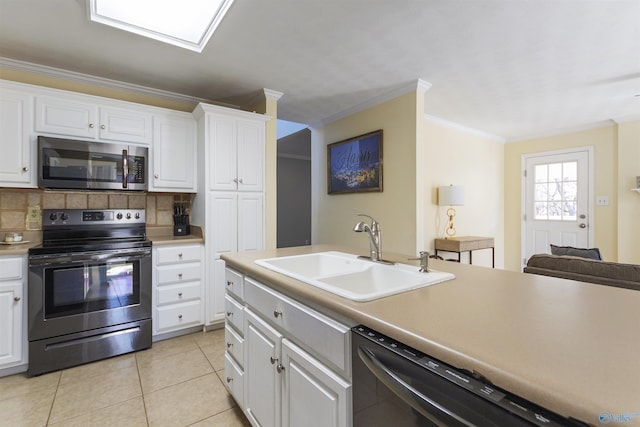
351, 277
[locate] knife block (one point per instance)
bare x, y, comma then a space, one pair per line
181, 225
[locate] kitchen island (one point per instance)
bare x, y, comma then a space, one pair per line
571, 347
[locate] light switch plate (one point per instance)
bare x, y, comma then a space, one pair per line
602, 200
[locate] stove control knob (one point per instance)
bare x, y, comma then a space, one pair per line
128, 215
137, 215
53, 216
64, 216
119, 215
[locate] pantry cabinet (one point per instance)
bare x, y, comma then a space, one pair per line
285, 355
230, 203
17, 165
177, 298
13, 335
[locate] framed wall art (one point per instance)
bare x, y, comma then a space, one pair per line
355, 165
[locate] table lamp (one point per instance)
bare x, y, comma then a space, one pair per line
452, 195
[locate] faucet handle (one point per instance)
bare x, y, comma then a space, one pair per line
424, 261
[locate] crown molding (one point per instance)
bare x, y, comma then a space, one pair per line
58, 73
564, 131
456, 126
272, 95
418, 85
625, 119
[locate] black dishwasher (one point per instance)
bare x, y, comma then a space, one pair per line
395, 385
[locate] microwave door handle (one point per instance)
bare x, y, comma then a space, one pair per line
125, 168
414, 398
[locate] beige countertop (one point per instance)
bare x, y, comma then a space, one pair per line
164, 236
568, 346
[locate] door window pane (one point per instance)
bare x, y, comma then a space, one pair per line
556, 189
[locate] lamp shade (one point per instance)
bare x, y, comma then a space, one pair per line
452, 195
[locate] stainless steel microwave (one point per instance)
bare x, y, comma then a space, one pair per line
73, 164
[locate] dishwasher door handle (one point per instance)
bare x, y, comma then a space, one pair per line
412, 397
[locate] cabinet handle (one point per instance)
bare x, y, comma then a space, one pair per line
229, 283
179, 294
229, 379
229, 344
179, 316
156, 176
103, 127
229, 313
16, 299
279, 368
180, 255
240, 180
277, 313
25, 169
179, 275
273, 360
90, 125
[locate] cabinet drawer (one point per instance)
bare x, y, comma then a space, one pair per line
325, 337
233, 283
233, 312
178, 292
10, 268
234, 344
234, 379
178, 316
179, 273
174, 254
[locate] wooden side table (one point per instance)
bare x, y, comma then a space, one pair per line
467, 244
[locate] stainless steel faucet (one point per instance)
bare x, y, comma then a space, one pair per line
375, 236
424, 261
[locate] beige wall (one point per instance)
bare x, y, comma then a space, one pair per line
476, 162
604, 140
333, 216
628, 201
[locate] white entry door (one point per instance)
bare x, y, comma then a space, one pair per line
557, 207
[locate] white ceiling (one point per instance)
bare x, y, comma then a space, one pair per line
510, 68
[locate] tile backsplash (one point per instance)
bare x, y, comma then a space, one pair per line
15, 203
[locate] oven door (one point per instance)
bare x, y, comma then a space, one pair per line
76, 292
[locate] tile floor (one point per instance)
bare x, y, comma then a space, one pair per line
178, 382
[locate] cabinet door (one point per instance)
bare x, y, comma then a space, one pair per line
250, 155
222, 153
122, 125
65, 117
223, 211
16, 166
11, 308
250, 222
215, 291
174, 161
263, 382
307, 380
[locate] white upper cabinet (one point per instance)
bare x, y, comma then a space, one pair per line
174, 153
17, 167
84, 119
237, 154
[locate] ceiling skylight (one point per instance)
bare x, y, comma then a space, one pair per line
184, 23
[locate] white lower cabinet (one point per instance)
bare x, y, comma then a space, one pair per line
294, 362
177, 288
13, 334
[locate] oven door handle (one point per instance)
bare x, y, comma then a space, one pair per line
80, 257
410, 395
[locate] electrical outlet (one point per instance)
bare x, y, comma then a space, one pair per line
602, 200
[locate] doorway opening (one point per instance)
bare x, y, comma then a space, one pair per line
294, 185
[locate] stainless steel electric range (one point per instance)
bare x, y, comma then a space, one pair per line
89, 292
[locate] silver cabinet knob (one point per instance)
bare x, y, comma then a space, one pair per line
273, 360
156, 176
279, 368
277, 313
229, 313
229, 344
25, 169
179, 316
240, 180
235, 180
583, 225
229, 379
229, 283
179, 275
179, 294
103, 127
91, 125
16, 299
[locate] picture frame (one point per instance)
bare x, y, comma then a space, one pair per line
354, 165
